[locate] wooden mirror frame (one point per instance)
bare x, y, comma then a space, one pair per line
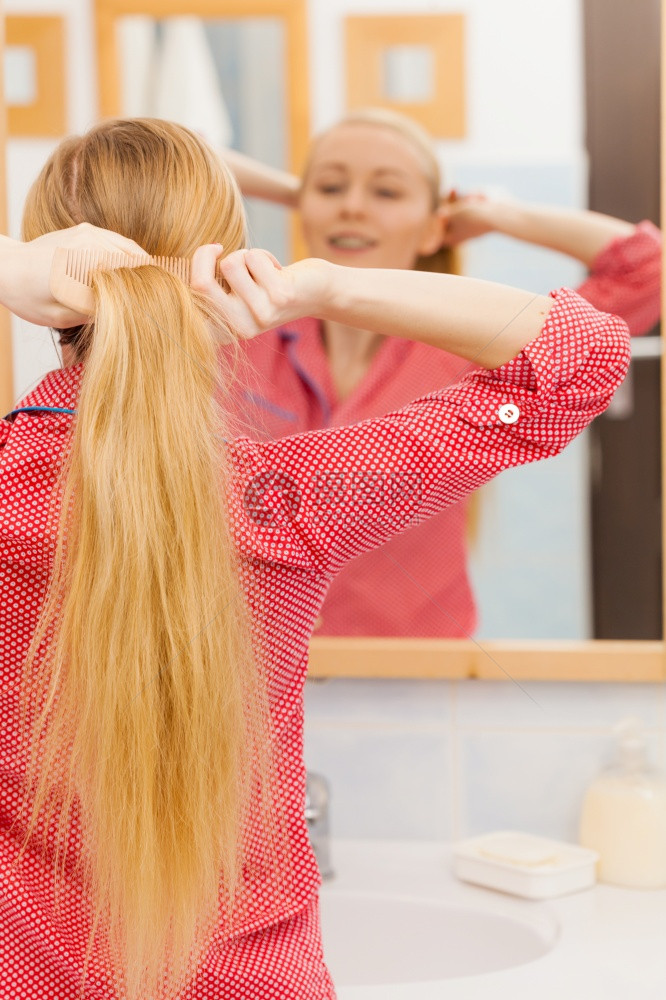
291, 12
592, 660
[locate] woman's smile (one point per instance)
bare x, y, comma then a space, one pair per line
351, 242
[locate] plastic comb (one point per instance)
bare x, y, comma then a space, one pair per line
70, 280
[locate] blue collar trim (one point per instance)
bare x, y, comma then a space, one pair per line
38, 409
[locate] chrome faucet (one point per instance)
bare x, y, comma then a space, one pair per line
317, 797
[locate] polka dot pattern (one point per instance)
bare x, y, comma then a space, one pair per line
626, 279
317, 500
418, 583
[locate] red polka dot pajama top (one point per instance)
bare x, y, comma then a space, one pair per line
418, 584
301, 508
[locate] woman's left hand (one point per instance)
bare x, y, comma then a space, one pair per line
261, 293
465, 218
25, 270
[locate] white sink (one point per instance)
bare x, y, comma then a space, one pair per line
398, 925
377, 938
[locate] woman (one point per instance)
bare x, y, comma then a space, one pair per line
160, 580
370, 197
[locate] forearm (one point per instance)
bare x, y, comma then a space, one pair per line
257, 180
580, 234
481, 321
11, 277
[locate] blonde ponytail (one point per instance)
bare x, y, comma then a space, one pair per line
143, 684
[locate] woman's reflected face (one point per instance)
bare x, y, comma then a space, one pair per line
366, 200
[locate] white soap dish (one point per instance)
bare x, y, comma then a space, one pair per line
525, 865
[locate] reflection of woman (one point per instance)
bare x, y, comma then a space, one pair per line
370, 198
160, 580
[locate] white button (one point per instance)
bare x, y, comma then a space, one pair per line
508, 413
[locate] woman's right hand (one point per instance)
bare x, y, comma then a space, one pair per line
262, 294
25, 270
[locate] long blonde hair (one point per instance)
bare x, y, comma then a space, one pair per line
143, 684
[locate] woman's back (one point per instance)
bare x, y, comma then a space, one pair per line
301, 507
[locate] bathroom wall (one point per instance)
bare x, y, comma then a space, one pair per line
448, 759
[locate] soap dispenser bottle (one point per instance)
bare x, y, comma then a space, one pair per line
624, 816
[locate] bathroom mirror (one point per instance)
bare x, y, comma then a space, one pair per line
537, 563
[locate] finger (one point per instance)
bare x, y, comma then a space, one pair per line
128, 246
231, 261
274, 259
106, 239
254, 280
245, 298
114, 241
263, 267
233, 269
202, 273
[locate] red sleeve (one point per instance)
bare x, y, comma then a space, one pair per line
626, 279
318, 499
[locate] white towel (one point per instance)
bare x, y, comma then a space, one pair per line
137, 39
187, 88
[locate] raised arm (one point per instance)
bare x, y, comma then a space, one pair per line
624, 260
257, 180
481, 321
626, 279
579, 234
319, 499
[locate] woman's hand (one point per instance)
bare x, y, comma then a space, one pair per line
465, 218
25, 269
578, 233
461, 315
262, 294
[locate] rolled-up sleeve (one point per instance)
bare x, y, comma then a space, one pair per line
625, 279
319, 499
